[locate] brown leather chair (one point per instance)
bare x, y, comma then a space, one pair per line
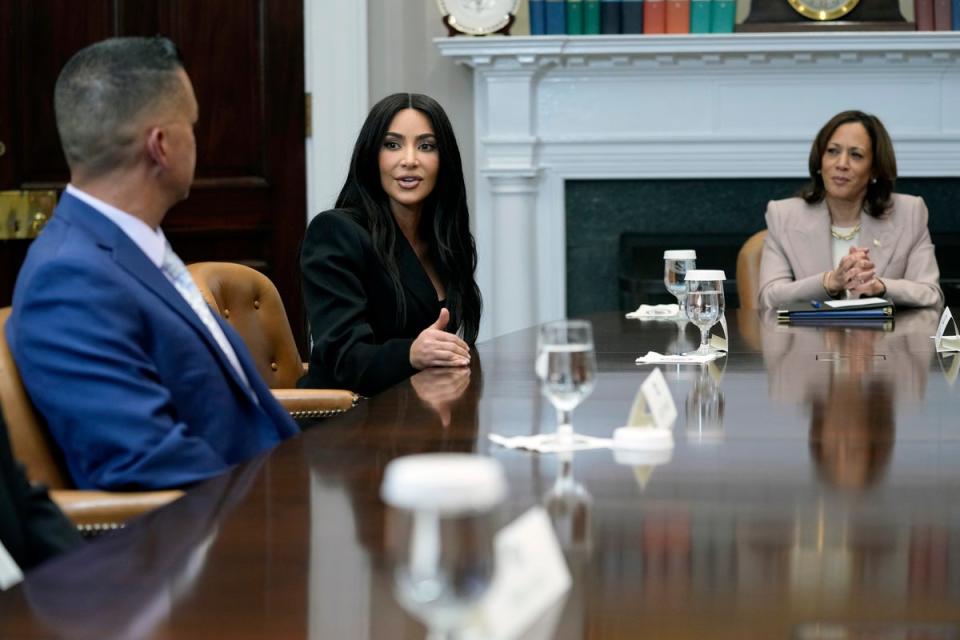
748, 270
250, 302
36, 450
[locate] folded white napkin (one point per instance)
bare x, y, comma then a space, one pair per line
547, 443
655, 311
652, 357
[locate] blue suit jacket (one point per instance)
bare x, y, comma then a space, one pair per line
132, 385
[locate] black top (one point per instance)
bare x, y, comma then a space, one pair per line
31, 526
359, 342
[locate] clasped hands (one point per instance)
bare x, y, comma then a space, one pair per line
856, 274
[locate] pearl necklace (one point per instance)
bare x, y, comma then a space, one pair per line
845, 236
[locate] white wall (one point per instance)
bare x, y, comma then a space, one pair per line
335, 70
403, 58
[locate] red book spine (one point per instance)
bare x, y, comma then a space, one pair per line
924, 14
678, 16
654, 16
942, 15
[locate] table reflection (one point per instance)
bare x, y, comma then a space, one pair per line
706, 403
850, 379
569, 505
81, 601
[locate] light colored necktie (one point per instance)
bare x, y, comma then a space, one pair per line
175, 270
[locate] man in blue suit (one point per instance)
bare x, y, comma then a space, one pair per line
142, 386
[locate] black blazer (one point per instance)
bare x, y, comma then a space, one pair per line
31, 526
359, 343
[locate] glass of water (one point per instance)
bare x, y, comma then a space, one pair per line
676, 264
704, 304
441, 525
567, 368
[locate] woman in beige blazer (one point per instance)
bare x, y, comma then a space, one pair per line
848, 234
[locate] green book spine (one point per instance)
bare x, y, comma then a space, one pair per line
591, 16
575, 17
700, 16
723, 15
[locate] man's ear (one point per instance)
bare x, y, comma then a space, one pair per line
157, 147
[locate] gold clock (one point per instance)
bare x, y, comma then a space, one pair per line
823, 9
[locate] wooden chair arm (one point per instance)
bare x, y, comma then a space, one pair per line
108, 509
315, 403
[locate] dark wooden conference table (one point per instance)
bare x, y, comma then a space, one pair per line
813, 492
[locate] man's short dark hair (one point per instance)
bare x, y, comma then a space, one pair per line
101, 91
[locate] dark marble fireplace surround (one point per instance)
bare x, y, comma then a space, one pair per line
616, 231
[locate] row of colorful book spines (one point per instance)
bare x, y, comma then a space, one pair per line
589, 17
936, 15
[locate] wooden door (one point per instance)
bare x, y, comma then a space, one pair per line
245, 58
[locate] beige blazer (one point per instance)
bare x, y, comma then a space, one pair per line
798, 250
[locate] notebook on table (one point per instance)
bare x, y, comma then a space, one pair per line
836, 311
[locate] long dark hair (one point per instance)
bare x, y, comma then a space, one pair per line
877, 200
445, 211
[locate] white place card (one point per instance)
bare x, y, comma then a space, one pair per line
10, 574
639, 416
719, 342
659, 400
531, 578
947, 343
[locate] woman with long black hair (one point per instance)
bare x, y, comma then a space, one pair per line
388, 275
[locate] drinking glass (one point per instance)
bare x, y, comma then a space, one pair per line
441, 525
704, 304
676, 264
567, 369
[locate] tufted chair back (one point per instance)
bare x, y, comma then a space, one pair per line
32, 444
247, 299
748, 270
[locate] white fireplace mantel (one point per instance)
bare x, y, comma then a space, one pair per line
553, 108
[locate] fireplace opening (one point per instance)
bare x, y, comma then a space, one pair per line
640, 265
617, 230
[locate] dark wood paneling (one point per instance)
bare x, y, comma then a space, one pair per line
245, 58
6, 97
223, 53
48, 32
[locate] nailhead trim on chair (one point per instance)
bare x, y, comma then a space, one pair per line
98, 529
324, 413
297, 415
